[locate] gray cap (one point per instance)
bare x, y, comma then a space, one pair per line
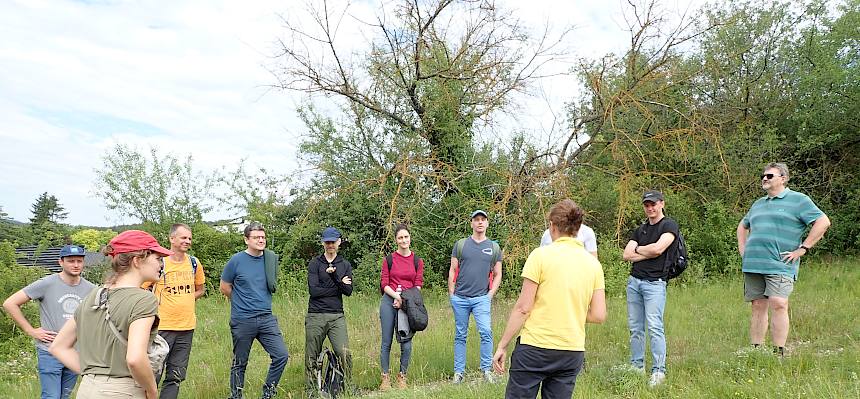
479, 212
652, 195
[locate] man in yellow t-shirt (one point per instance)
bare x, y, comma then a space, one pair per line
563, 288
181, 283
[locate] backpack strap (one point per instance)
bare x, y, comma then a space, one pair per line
460, 244
415, 261
193, 265
389, 261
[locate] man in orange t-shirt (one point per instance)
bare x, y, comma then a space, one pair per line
177, 290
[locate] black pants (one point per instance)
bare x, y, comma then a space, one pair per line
550, 370
176, 364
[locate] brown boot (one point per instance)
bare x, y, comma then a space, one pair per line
386, 383
401, 380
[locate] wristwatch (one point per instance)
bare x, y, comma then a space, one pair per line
804, 247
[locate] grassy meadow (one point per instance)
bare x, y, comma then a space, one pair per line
706, 328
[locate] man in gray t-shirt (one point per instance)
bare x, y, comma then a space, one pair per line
473, 279
59, 295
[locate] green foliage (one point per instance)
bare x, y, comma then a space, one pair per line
91, 239
160, 188
47, 209
8, 231
15, 277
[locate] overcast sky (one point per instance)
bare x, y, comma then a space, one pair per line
188, 77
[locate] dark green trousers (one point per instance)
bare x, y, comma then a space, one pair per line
318, 326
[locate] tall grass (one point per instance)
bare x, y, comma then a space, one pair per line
706, 328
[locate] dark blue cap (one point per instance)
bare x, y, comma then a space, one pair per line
330, 234
72, 250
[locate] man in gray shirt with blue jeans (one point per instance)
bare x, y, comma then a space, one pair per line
59, 296
473, 279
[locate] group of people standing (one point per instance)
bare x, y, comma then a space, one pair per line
103, 333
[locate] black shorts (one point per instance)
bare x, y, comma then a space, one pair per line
552, 371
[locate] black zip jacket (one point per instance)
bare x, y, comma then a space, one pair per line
326, 289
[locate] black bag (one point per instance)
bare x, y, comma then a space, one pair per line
678, 260
413, 304
330, 376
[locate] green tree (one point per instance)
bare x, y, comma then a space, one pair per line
92, 239
160, 188
47, 209
7, 228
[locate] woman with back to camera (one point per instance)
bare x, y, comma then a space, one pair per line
110, 368
563, 288
404, 272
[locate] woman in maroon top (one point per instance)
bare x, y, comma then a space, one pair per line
401, 275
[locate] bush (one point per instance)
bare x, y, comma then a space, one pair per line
15, 277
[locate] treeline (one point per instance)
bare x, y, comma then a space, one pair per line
694, 108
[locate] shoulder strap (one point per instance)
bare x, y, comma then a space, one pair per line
101, 302
460, 244
193, 265
415, 260
389, 259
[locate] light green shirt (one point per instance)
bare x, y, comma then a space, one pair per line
101, 353
777, 225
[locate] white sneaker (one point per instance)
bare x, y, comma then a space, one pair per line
458, 378
657, 378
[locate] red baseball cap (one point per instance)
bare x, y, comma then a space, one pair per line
136, 240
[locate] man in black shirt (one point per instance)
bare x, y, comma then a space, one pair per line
648, 248
329, 278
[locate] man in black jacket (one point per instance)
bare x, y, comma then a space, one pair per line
329, 278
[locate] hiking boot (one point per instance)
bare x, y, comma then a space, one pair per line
458, 378
489, 377
657, 378
779, 351
401, 381
386, 382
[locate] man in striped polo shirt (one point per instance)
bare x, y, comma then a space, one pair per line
769, 241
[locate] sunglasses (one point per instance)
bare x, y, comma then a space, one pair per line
769, 176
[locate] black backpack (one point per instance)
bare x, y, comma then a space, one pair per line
330, 376
678, 260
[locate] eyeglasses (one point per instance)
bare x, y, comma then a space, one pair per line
257, 237
769, 176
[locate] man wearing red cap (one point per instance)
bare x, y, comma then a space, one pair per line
58, 295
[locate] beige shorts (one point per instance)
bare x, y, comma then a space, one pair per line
106, 387
759, 286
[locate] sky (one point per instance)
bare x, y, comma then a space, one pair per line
191, 78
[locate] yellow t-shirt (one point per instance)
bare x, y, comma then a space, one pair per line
175, 293
566, 275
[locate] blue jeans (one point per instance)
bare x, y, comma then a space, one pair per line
645, 303
265, 329
57, 380
480, 307
387, 319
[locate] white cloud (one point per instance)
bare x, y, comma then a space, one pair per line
185, 77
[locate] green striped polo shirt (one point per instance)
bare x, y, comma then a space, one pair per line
777, 225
